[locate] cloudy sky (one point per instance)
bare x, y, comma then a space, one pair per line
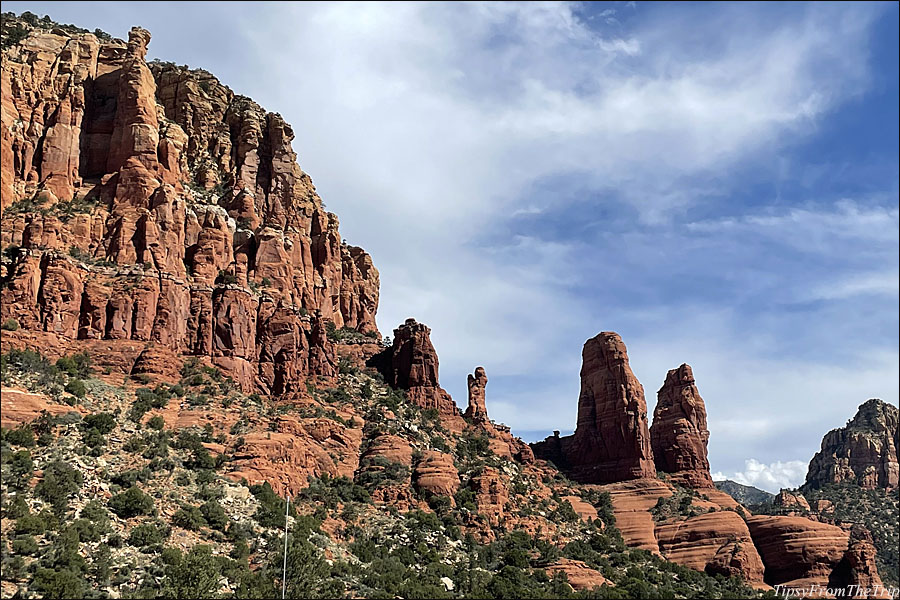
717, 183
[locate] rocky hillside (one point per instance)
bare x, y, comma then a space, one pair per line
745, 494
187, 342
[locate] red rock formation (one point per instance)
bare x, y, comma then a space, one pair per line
585, 510
491, 494
864, 452
20, 407
799, 553
788, 499
578, 574
611, 441
860, 558
414, 368
297, 450
476, 412
679, 434
632, 501
436, 474
192, 226
717, 543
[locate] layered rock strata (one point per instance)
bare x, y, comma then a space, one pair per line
679, 434
148, 202
864, 452
611, 441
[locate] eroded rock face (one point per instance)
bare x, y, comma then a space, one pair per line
679, 434
491, 494
151, 203
798, 552
860, 558
788, 499
611, 441
436, 474
414, 368
296, 450
579, 575
864, 452
717, 543
476, 412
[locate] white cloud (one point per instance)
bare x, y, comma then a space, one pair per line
772, 477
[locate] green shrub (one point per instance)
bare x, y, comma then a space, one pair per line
53, 583
214, 515
156, 422
31, 524
128, 479
149, 534
192, 575
25, 545
60, 481
76, 387
188, 517
10, 325
131, 503
76, 365
21, 436
21, 468
271, 506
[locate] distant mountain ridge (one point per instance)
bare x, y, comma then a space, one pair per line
745, 494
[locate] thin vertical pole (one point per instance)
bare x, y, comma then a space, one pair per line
287, 505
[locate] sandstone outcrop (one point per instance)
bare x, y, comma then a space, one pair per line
679, 434
578, 574
798, 552
788, 499
414, 368
632, 501
20, 407
611, 441
148, 202
476, 412
860, 558
864, 452
717, 543
491, 494
436, 474
297, 450
584, 510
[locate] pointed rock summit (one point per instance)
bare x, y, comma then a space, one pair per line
863, 452
414, 368
679, 434
477, 409
612, 441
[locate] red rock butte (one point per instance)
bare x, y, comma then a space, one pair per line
611, 441
679, 434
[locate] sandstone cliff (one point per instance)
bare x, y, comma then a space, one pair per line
611, 441
679, 434
148, 202
863, 452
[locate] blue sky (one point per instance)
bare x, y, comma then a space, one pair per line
718, 183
